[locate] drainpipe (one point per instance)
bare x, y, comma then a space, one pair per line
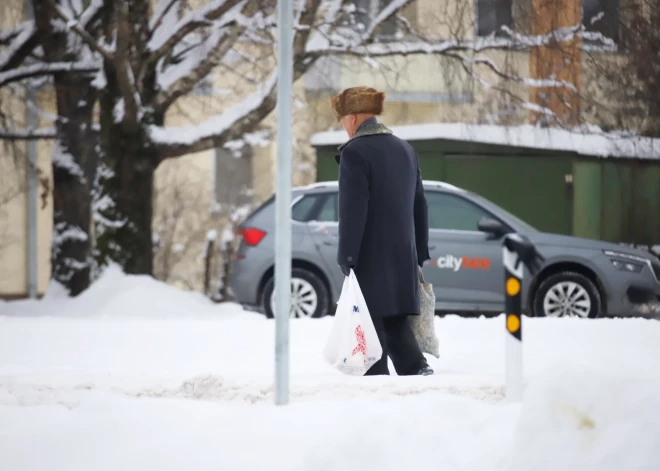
32, 123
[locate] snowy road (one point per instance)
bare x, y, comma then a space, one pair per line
136, 375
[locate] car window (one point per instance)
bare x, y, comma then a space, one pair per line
447, 211
301, 210
328, 210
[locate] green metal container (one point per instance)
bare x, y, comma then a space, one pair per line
613, 199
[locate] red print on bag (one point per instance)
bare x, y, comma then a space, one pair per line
362, 342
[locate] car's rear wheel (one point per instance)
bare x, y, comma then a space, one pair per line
567, 294
309, 296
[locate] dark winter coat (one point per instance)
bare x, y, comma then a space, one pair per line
383, 220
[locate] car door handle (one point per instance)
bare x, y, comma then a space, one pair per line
329, 242
431, 247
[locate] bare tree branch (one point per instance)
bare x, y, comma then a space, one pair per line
38, 70
27, 134
490, 64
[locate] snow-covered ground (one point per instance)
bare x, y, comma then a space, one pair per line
134, 374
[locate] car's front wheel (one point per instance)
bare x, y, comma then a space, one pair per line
309, 296
567, 294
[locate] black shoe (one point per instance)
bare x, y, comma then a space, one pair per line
425, 371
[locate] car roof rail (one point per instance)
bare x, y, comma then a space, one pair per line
442, 185
335, 184
314, 186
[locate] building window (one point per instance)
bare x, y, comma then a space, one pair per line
233, 188
601, 16
492, 15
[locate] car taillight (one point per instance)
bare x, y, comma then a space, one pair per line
252, 236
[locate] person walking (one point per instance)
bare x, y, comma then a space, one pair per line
383, 225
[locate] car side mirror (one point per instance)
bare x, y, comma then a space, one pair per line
491, 226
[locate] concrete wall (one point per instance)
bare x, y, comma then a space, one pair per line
13, 213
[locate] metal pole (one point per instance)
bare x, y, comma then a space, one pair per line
31, 117
513, 276
283, 198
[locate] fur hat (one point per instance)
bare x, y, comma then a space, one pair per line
358, 100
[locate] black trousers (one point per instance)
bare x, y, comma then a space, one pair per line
400, 344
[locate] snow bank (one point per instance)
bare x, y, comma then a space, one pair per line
579, 421
589, 420
116, 294
110, 432
586, 143
98, 383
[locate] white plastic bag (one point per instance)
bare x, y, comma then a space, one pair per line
423, 326
353, 346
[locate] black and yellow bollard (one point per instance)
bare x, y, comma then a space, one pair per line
518, 252
513, 277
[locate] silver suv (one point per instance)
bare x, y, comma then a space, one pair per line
580, 277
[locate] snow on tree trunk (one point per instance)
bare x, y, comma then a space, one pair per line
124, 226
74, 160
125, 209
71, 248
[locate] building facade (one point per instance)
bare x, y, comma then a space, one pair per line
200, 197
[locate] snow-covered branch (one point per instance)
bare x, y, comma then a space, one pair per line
197, 62
8, 36
243, 117
330, 35
304, 23
346, 41
27, 134
404, 48
559, 35
162, 10
532, 83
87, 17
38, 70
320, 30
385, 14
178, 80
162, 42
77, 27
20, 41
231, 124
124, 72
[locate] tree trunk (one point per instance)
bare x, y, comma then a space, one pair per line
74, 159
126, 209
74, 167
